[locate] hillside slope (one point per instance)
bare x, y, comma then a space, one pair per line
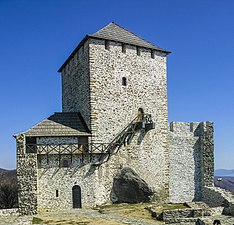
226, 183
8, 189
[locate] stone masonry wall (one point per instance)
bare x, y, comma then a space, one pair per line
93, 85
26, 177
191, 151
75, 84
53, 177
185, 162
114, 105
95, 182
207, 151
215, 197
9, 212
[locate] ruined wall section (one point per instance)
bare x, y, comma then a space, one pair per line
207, 151
114, 105
185, 162
191, 153
218, 197
75, 84
26, 178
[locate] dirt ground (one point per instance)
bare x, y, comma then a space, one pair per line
105, 215
121, 214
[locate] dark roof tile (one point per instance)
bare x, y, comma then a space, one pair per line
60, 124
117, 33
114, 32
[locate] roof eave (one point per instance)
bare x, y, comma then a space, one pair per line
91, 36
110, 39
28, 134
73, 53
57, 135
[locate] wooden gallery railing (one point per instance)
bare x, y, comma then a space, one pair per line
102, 150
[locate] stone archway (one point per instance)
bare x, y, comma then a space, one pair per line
76, 196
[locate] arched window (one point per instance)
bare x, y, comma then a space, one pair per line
140, 115
141, 110
65, 163
124, 81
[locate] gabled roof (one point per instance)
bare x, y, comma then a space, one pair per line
60, 124
114, 32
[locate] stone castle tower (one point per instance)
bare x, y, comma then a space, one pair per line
115, 115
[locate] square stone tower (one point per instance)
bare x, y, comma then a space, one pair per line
115, 116
108, 77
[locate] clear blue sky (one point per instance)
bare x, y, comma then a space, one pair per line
37, 36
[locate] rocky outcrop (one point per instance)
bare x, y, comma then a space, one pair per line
130, 188
184, 215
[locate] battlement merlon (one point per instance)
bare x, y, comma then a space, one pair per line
192, 128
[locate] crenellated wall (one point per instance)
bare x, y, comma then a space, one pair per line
191, 153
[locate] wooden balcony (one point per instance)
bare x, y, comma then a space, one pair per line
53, 149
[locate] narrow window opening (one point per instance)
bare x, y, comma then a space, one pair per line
65, 163
140, 114
56, 193
107, 45
39, 160
31, 145
123, 48
83, 144
138, 51
124, 81
152, 54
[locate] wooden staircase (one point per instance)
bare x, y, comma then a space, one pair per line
125, 137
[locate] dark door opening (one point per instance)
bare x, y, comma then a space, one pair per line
76, 196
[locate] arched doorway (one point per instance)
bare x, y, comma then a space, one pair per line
76, 196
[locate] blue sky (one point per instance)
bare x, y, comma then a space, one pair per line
37, 36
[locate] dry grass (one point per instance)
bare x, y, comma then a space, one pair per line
56, 220
139, 210
116, 210
129, 210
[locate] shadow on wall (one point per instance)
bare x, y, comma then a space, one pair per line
70, 169
197, 162
197, 171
